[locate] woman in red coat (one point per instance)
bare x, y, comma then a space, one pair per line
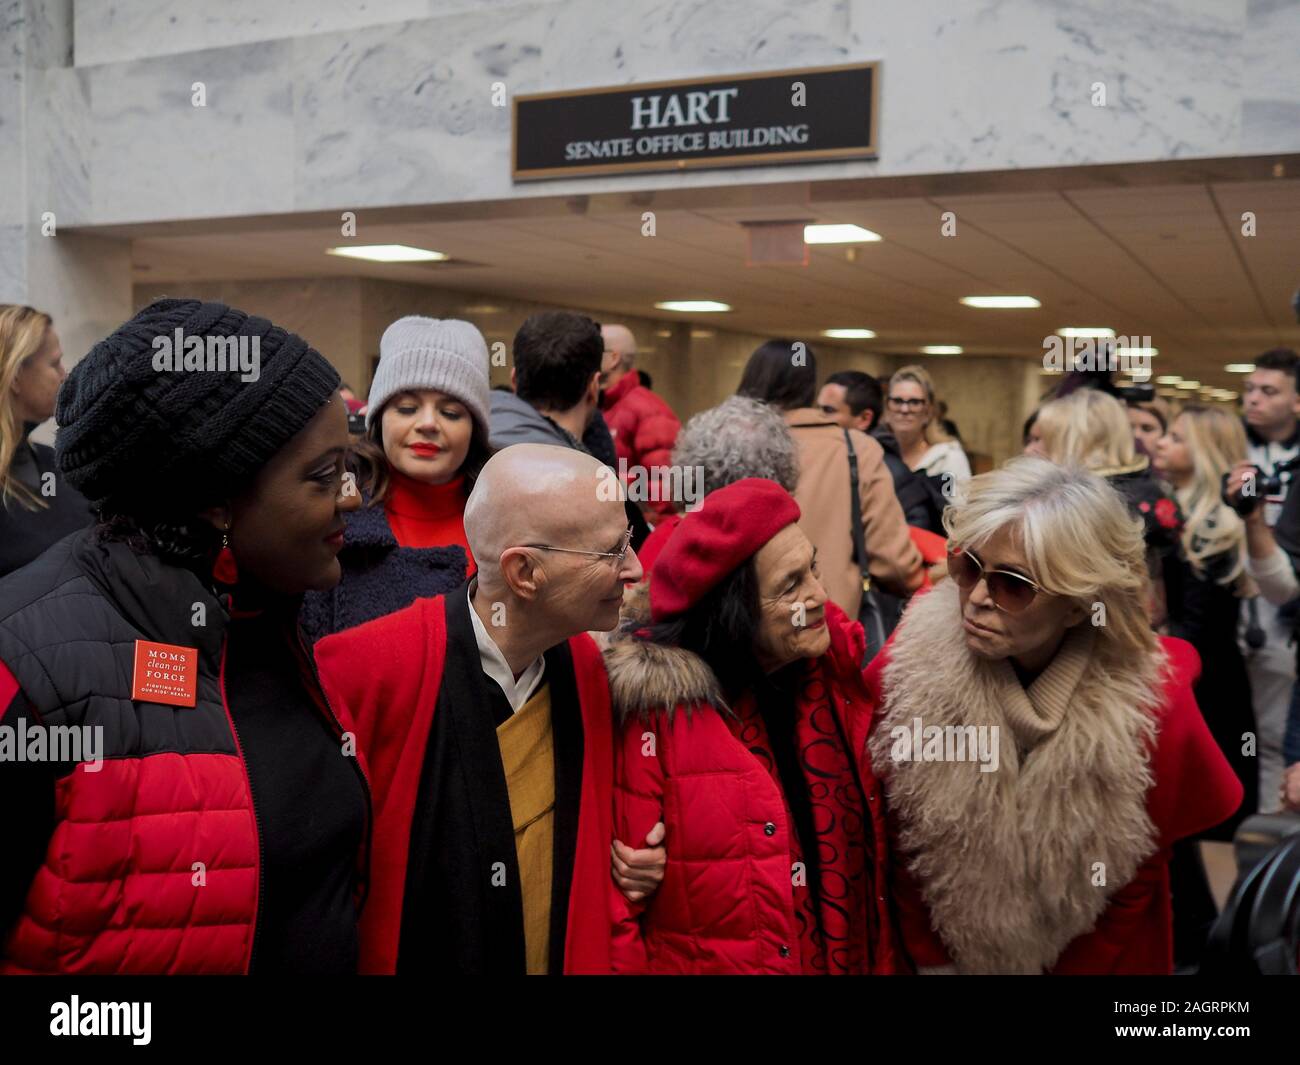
736, 705
1039, 745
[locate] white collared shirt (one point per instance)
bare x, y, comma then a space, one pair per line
517, 692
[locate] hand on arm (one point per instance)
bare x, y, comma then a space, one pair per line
638, 873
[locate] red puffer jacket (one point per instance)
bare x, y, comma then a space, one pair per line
644, 428
727, 902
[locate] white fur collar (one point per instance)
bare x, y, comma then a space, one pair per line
1009, 862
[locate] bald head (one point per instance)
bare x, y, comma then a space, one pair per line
619, 339
537, 494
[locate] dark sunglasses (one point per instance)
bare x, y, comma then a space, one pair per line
1010, 592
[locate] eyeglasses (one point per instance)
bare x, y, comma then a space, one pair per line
1010, 592
905, 404
619, 555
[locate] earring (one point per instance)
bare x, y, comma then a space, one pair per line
225, 571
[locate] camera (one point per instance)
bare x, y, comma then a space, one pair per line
1265, 484
1136, 393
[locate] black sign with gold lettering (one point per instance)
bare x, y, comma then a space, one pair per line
748, 119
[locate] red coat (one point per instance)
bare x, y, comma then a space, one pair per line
726, 904
387, 673
1194, 788
644, 428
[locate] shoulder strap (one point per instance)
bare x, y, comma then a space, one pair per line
855, 517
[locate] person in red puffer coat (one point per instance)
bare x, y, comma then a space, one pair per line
644, 427
735, 707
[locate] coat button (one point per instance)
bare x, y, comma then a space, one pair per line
785, 952
769, 829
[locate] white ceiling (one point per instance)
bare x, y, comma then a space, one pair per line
1165, 261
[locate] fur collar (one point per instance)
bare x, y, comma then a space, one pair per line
1011, 863
647, 677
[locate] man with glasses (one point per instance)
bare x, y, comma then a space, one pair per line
484, 718
854, 400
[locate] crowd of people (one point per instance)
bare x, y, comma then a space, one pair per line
537, 679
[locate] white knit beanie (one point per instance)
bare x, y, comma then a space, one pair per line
441, 354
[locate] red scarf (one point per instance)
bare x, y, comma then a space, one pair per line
427, 515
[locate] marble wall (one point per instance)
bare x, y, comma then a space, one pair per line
344, 104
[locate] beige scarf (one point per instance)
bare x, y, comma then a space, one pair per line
1014, 864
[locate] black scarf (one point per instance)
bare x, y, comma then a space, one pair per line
462, 834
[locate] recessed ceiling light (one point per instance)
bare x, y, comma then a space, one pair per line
941, 349
1227, 394
1171, 379
1001, 302
663, 332
849, 334
694, 306
388, 253
1138, 353
1084, 331
1240, 367
838, 234
1187, 386
481, 308
701, 334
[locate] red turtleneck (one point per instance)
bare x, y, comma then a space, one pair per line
427, 515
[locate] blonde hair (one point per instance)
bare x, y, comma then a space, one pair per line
933, 431
22, 332
1215, 441
1089, 429
1079, 539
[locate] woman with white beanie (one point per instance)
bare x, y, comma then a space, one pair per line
426, 441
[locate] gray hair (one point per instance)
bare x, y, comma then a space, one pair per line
738, 438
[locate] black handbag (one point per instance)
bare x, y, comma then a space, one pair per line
1258, 932
878, 611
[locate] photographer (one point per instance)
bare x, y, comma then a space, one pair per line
1258, 490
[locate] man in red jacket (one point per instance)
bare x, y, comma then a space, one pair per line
485, 718
643, 425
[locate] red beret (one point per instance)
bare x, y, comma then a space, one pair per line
728, 529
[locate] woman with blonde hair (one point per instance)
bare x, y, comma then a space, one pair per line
37, 507
1039, 745
912, 414
1201, 446
1089, 428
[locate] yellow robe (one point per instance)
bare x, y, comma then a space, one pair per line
528, 756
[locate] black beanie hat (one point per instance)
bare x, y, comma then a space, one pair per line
165, 440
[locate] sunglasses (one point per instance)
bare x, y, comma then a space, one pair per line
1010, 592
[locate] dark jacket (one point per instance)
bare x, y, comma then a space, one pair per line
379, 576
25, 533
102, 875
516, 421
919, 495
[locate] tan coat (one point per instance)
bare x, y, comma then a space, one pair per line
823, 496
